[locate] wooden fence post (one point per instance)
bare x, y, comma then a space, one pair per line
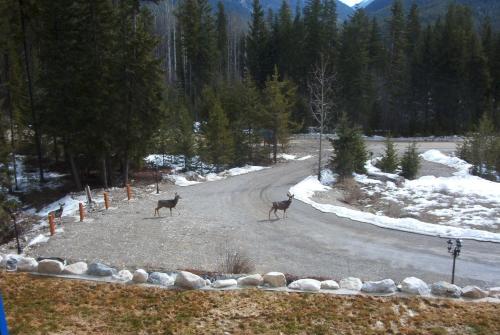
106, 200
82, 211
129, 192
52, 225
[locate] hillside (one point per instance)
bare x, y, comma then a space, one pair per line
430, 10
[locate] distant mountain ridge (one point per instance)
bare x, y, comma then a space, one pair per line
430, 10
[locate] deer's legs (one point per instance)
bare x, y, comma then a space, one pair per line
284, 213
270, 213
170, 211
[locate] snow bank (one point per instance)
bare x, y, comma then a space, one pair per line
70, 205
289, 157
243, 170
437, 156
39, 239
305, 190
181, 180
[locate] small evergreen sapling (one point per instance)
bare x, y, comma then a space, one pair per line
410, 163
349, 154
389, 161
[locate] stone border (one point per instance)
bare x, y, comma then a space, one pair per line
271, 281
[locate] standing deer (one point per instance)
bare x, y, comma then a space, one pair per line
281, 205
167, 204
58, 212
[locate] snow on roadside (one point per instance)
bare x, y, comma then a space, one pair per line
437, 156
289, 157
181, 180
304, 191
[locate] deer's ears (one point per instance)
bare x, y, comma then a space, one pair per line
61, 204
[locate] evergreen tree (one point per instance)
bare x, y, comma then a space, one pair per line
257, 40
410, 162
219, 145
222, 40
280, 97
389, 161
349, 152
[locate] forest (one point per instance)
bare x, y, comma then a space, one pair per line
91, 87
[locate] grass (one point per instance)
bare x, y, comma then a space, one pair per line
41, 305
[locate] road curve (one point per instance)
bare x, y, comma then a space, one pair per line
232, 214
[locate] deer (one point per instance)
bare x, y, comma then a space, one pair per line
281, 205
58, 212
167, 204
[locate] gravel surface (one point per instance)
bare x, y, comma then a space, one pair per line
232, 214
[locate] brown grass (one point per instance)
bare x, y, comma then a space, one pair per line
352, 193
39, 305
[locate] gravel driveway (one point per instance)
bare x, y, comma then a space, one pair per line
233, 212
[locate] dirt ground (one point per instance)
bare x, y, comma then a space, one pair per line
42, 305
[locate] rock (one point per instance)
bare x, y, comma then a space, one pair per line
27, 264
50, 266
189, 280
329, 285
445, 289
101, 270
140, 276
10, 261
351, 283
474, 292
252, 280
413, 285
221, 283
78, 268
208, 282
382, 286
311, 285
494, 292
159, 278
275, 279
123, 275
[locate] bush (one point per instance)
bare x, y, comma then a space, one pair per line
410, 163
352, 191
349, 152
482, 149
389, 161
234, 261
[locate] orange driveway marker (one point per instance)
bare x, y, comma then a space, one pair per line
106, 200
52, 225
82, 211
129, 192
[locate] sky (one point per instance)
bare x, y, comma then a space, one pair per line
351, 2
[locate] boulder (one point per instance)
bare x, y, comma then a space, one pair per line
275, 279
252, 280
123, 275
445, 289
9, 261
494, 292
311, 285
351, 283
140, 276
413, 285
189, 280
222, 283
159, 278
78, 268
208, 282
382, 286
329, 285
27, 264
474, 292
50, 266
101, 270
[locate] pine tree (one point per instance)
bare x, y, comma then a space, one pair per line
389, 161
410, 162
222, 40
219, 145
256, 43
280, 96
349, 151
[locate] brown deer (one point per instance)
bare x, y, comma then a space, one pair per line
281, 205
58, 212
167, 204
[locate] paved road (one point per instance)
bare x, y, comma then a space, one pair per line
232, 214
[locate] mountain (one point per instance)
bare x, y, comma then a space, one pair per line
430, 10
244, 7
363, 4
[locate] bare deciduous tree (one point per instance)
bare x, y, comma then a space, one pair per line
321, 99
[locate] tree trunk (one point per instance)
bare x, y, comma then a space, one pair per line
104, 172
74, 171
38, 141
320, 150
56, 150
11, 121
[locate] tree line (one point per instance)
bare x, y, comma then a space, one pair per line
95, 85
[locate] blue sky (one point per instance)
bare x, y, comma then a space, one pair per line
351, 2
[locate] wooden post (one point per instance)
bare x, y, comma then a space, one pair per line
52, 225
106, 200
89, 195
82, 211
129, 192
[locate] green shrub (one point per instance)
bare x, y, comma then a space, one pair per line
389, 161
410, 163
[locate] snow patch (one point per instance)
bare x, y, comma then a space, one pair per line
39, 239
